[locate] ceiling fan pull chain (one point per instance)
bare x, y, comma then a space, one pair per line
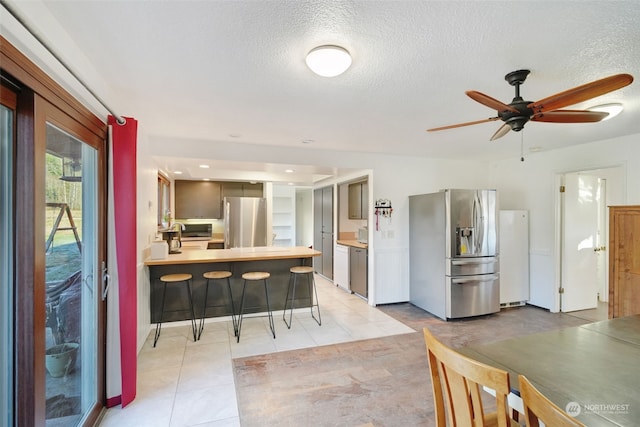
522, 146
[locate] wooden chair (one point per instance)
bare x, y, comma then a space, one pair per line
538, 408
456, 382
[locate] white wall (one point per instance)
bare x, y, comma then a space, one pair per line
147, 190
304, 216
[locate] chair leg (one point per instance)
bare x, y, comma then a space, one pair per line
291, 280
194, 328
271, 324
159, 324
312, 286
233, 310
204, 309
244, 287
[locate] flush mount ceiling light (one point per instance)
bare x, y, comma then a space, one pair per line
328, 61
613, 109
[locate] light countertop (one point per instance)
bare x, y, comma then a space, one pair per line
194, 256
354, 243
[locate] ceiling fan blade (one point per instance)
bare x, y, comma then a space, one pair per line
570, 116
502, 131
459, 125
581, 93
490, 102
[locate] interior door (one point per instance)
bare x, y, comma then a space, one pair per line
580, 242
72, 206
327, 232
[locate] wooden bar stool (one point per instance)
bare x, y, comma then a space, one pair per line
311, 284
176, 278
250, 277
218, 275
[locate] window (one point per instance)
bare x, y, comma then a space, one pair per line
164, 199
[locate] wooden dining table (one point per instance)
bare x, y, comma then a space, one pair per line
591, 370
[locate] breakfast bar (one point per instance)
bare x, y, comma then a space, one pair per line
275, 260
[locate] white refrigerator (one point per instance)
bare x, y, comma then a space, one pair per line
514, 257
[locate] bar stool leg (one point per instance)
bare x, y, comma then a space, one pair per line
311, 281
233, 310
204, 309
284, 313
194, 328
159, 324
271, 324
244, 287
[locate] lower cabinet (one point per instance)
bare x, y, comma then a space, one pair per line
358, 271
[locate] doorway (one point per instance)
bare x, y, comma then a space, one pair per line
583, 225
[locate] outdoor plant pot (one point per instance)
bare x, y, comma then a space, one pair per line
61, 359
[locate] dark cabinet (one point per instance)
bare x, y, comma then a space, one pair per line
197, 199
203, 199
323, 230
358, 200
241, 189
358, 271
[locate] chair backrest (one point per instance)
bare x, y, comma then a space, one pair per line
456, 381
538, 408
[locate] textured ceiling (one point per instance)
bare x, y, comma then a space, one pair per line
235, 71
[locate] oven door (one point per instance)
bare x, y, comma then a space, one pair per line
468, 296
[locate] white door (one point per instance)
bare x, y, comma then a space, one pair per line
580, 239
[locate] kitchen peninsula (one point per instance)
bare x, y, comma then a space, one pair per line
275, 260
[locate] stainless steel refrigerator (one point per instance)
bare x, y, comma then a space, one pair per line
245, 222
454, 264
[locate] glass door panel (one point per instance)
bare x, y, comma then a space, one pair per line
6, 265
72, 277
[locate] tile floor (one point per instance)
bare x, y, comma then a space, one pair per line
182, 383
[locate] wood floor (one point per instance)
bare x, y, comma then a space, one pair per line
375, 382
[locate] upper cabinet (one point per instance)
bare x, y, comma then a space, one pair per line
358, 200
198, 199
203, 199
241, 189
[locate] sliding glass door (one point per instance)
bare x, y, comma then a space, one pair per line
52, 249
73, 286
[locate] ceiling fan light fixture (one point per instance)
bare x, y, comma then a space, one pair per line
613, 109
328, 60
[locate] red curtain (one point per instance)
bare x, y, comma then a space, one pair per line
123, 198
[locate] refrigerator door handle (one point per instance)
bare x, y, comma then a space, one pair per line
227, 243
474, 261
482, 278
479, 219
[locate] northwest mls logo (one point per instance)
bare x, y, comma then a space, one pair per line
573, 409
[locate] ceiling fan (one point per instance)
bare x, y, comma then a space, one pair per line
518, 112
